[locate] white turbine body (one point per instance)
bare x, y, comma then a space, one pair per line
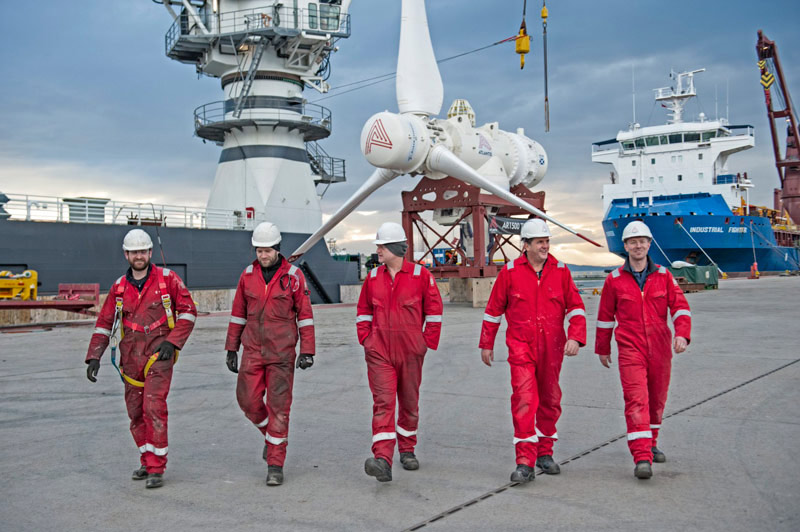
413, 143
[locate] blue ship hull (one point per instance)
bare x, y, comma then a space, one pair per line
733, 242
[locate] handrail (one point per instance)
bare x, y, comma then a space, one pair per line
309, 113
324, 20
102, 211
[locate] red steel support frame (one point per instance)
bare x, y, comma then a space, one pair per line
450, 193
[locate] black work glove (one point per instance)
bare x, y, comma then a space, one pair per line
232, 361
165, 351
305, 361
91, 369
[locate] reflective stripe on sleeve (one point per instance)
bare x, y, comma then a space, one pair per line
238, 321
249, 269
305, 323
681, 313
615, 273
363, 317
273, 440
188, 317
293, 270
576, 312
641, 434
655, 426
662, 269
374, 272
490, 318
384, 436
417, 270
531, 439
510, 265
263, 423
403, 432
605, 324
150, 448
434, 318
100, 330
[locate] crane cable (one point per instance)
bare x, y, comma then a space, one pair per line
544, 55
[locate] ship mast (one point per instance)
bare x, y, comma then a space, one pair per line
675, 98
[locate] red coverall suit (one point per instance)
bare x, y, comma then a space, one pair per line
390, 321
265, 319
645, 346
144, 326
535, 310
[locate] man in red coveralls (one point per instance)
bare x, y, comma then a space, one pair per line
154, 311
537, 294
270, 309
638, 295
399, 319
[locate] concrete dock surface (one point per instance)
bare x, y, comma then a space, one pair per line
731, 438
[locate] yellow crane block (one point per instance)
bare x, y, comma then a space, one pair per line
21, 285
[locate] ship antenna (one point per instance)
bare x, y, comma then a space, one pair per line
633, 91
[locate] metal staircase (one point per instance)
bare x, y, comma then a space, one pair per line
251, 75
327, 169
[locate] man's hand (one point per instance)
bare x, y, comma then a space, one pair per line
679, 344
571, 348
232, 361
487, 355
165, 351
91, 369
305, 361
605, 360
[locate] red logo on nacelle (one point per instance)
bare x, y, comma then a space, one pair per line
377, 137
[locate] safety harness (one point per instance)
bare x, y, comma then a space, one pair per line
118, 319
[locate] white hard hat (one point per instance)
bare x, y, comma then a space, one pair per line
636, 228
389, 233
535, 228
137, 239
265, 235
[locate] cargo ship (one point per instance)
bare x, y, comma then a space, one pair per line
676, 178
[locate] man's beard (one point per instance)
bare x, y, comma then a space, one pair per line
144, 268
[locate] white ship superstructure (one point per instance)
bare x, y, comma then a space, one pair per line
264, 53
678, 157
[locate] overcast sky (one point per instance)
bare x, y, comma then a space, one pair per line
91, 106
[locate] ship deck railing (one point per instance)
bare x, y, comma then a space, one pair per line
323, 20
28, 207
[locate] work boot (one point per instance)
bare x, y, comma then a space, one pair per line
658, 456
140, 474
409, 461
378, 468
274, 475
154, 480
643, 470
522, 474
548, 465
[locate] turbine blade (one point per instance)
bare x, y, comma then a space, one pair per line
443, 160
378, 178
419, 84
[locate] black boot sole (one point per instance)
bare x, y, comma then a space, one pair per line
373, 469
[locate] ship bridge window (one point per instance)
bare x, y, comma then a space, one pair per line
709, 135
676, 138
651, 141
312, 16
691, 137
329, 17
664, 139
639, 143
627, 145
